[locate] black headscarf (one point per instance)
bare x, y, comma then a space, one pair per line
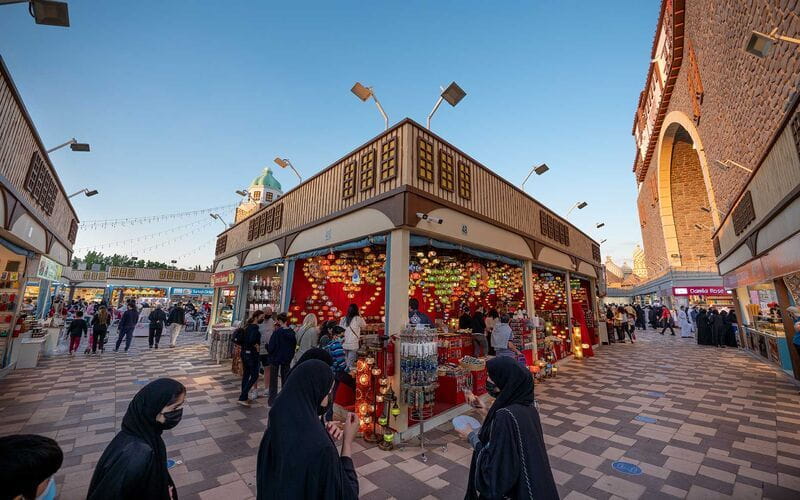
316, 353
297, 458
516, 387
127, 457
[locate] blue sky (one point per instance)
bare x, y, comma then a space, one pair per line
185, 102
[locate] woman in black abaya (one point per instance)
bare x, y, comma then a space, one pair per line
297, 458
703, 328
509, 458
134, 464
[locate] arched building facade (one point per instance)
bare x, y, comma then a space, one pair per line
717, 135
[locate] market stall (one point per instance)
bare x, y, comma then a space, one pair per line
263, 289
550, 303
89, 294
195, 296
150, 295
325, 285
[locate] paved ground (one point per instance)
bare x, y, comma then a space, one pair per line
718, 424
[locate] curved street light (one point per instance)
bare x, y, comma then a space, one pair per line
73, 145
365, 93
452, 94
538, 169
219, 218
284, 162
89, 193
579, 205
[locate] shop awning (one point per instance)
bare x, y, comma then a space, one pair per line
352, 245
421, 241
260, 265
16, 248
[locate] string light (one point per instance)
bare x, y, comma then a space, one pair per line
130, 221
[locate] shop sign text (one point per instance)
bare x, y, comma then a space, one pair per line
699, 290
49, 269
224, 278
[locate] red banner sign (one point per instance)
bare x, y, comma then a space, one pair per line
224, 278
699, 290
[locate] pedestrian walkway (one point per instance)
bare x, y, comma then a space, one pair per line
679, 420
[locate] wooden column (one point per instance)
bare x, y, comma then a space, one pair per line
530, 305
788, 326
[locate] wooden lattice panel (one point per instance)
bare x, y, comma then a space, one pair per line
464, 180
389, 160
596, 253
40, 184
73, 231
368, 170
743, 214
447, 174
425, 160
554, 229
278, 220
222, 244
349, 180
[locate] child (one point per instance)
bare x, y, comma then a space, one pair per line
76, 328
334, 347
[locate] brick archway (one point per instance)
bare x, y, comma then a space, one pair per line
684, 188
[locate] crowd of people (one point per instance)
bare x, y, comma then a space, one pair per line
93, 321
717, 327
298, 456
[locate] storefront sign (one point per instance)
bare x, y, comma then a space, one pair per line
224, 278
191, 291
49, 269
699, 290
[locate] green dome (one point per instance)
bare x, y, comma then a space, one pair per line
267, 180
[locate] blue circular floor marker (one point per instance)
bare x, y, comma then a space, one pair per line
627, 468
141, 382
170, 463
655, 394
642, 418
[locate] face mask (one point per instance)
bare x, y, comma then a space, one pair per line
49, 493
171, 418
492, 389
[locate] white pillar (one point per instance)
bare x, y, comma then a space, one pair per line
397, 255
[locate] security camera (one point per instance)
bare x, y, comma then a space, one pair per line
433, 220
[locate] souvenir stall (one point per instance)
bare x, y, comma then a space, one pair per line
583, 314
325, 285
550, 303
11, 282
449, 280
88, 294
224, 299
263, 289
194, 295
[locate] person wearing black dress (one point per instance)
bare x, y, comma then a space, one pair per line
730, 329
297, 458
134, 464
509, 458
703, 328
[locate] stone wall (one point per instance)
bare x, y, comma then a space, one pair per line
744, 100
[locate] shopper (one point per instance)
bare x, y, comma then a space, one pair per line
502, 337
479, 342
352, 324
297, 458
76, 328
731, 329
28, 463
126, 326
282, 346
325, 334
176, 321
640, 315
340, 372
415, 316
703, 330
307, 336
621, 323
630, 312
465, 320
684, 323
100, 322
719, 327
611, 324
510, 457
157, 319
666, 320
248, 337
266, 328
134, 465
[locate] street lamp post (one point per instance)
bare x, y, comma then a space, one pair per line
47, 12
727, 164
365, 93
452, 94
284, 162
89, 193
759, 44
219, 218
73, 145
579, 205
538, 169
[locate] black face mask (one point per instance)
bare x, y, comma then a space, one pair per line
492, 389
171, 418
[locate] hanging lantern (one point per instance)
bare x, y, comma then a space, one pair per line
376, 371
395, 410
